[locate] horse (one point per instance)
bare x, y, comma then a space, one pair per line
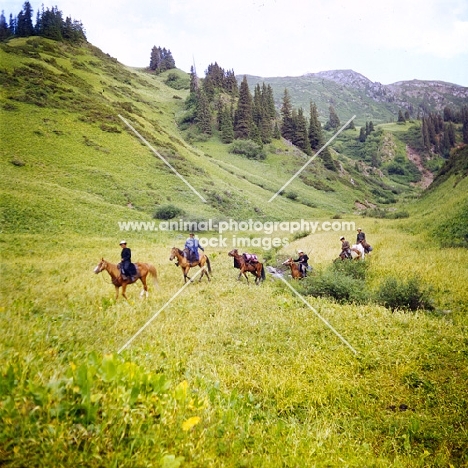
367, 247
246, 267
296, 272
357, 253
185, 265
143, 269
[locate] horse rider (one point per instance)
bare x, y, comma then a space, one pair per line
345, 248
126, 266
361, 239
360, 236
192, 245
302, 261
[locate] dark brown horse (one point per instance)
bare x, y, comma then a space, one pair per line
247, 267
296, 272
143, 269
186, 265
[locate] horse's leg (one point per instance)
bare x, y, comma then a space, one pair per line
144, 291
116, 292
186, 276
124, 287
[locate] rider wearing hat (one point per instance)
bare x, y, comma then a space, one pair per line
302, 261
126, 266
345, 247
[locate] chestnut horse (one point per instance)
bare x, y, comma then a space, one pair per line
186, 265
255, 268
142, 272
296, 273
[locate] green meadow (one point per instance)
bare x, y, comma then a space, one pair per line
226, 374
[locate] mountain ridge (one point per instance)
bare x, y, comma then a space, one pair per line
366, 99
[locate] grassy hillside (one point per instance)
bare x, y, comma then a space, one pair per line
64, 139
227, 374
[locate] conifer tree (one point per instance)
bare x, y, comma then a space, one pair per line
226, 126
5, 32
243, 117
24, 25
230, 83
287, 122
51, 24
203, 114
12, 25
268, 101
301, 139
193, 80
315, 128
362, 135
276, 131
333, 121
464, 120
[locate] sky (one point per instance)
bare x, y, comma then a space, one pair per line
384, 40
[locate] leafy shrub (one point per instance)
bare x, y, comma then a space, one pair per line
292, 195
336, 285
398, 215
176, 81
168, 212
356, 270
248, 148
399, 294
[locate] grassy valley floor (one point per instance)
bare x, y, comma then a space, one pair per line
228, 374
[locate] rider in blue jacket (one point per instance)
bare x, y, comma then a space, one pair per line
192, 245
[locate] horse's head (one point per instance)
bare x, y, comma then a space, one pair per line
175, 252
288, 262
233, 253
101, 266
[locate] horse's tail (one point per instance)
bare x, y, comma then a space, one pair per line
263, 273
208, 263
154, 274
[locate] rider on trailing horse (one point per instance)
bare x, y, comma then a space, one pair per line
127, 268
361, 239
192, 245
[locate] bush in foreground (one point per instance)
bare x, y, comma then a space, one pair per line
399, 294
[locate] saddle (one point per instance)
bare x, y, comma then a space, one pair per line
131, 275
250, 258
190, 256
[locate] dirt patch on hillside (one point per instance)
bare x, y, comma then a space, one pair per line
426, 176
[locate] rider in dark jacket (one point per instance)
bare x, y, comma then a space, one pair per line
126, 265
360, 236
302, 261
